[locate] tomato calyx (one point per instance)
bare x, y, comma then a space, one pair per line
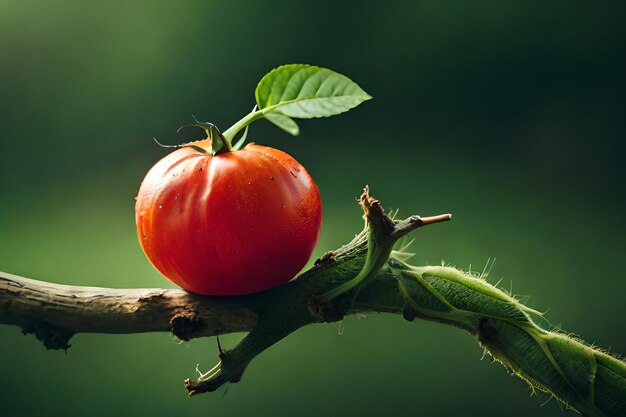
191, 145
219, 144
214, 144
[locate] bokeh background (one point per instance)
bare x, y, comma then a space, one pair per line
510, 115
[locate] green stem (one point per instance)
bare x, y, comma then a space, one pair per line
380, 240
584, 378
376, 257
230, 133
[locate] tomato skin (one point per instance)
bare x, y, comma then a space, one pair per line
231, 224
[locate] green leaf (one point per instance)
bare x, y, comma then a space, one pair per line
306, 91
299, 91
284, 122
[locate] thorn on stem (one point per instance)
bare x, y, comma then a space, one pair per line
219, 346
425, 221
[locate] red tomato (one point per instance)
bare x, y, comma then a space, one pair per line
231, 224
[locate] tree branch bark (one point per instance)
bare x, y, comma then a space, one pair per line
55, 312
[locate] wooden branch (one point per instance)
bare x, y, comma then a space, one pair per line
359, 277
55, 312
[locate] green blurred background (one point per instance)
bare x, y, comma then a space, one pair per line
508, 114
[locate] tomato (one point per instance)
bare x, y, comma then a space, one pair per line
234, 223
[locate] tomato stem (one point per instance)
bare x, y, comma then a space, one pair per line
230, 133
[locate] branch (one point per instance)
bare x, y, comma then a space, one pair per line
55, 312
361, 276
